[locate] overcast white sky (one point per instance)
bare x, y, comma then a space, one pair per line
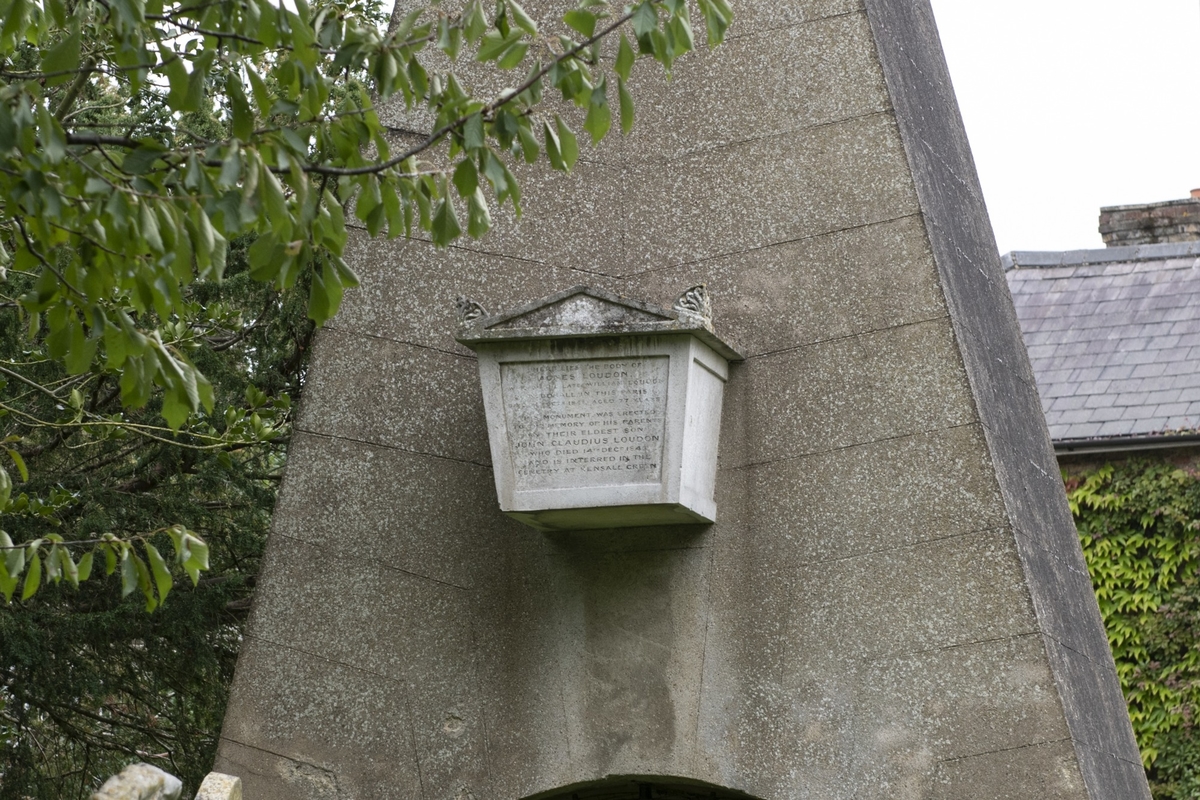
1075, 104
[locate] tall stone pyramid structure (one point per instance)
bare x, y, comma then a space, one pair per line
892, 602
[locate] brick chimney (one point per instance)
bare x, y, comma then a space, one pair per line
1152, 223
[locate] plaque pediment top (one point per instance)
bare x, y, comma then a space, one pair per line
586, 311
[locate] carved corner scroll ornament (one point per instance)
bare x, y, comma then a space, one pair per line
695, 301
469, 311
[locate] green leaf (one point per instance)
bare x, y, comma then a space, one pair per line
129, 575
554, 148
80, 351
143, 581
626, 107
52, 137
419, 79
466, 178
495, 44
266, 257
479, 219
599, 116
5, 488
177, 532
148, 227
242, 115
178, 96
197, 558
63, 58
568, 145
263, 98
58, 12
8, 583
141, 160
19, 461
473, 132
14, 557
445, 228
84, 568
474, 21
271, 194
523, 20
33, 578
449, 38
162, 574
717, 17
53, 568
14, 21
582, 21
645, 18
680, 28
529, 143
176, 406
324, 295
513, 56
504, 185
625, 58
68, 567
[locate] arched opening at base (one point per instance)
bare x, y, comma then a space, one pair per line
642, 787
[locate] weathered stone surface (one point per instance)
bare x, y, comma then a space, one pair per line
814, 72
426, 493
833, 285
817, 169
567, 220
892, 602
998, 368
1047, 771
218, 786
846, 502
878, 385
368, 396
311, 727
391, 274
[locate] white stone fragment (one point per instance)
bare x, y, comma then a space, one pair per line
140, 782
218, 786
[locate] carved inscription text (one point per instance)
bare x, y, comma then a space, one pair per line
595, 422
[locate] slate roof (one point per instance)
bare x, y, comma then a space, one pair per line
1114, 338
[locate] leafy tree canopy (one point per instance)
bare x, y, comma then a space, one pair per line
176, 182
138, 138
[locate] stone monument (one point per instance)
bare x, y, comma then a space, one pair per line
891, 602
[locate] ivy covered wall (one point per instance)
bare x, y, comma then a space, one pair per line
1139, 523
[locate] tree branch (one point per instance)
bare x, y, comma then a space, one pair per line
72, 93
449, 127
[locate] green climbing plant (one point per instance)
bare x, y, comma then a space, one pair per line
1139, 524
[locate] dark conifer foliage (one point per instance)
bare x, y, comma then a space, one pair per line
88, 680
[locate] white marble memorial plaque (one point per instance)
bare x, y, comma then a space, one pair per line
602, 412
595, 422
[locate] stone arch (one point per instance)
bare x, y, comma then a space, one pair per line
642, 787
